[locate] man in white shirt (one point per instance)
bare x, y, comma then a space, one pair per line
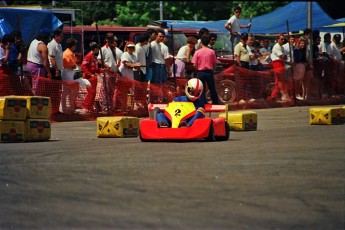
233, 26
55, 54
159, 72
140, 74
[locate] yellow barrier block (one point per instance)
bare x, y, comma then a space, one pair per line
37, 106
118, 126
242, 120
327, 116
12, 131
37, 130
12, 108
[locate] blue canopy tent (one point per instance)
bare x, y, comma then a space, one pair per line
296, 13
28, 22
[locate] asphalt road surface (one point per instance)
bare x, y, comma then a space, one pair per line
286, 175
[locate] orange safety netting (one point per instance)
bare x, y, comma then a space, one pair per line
118, 95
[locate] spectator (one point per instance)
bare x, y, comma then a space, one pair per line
278, 57
213, 39
38, 63
299, 69
165, 52
17, 52
110, 59
183, 56
90, 70
159, 72
241, 52
129, 61
202, 33
317, 64
266, 52
69, 88
233, 26
254, 55
205, 61
140, 53
327, 65
6, 42
148, 52
55, 55
338, 68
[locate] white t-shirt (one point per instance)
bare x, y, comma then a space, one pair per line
108, 57
286, 51
55, 50
140, 53
157, 55
235, 24
182, 53
125, 71
277, 51
165, 51
334, 51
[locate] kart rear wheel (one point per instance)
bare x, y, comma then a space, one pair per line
227, 133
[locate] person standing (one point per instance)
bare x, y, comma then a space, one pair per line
110, 59
17, 50
213, 39
183, 56
69, 87
90, 69
159, 72
299, 68
37, 60
202, 33
205, 61
55, 55
129, 61
148, 52
233, 26
241, 53
338, 65
278, 57
165, 53
140, 53
6, 42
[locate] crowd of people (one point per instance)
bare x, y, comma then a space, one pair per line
149, 60
290, 58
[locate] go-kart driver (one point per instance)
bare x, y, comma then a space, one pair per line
193, 90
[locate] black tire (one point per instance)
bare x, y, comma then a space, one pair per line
227, 91
210, 137
227, 133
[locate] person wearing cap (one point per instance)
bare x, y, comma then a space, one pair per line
241, 52
159, 71
55, 54
129, 61
233, 26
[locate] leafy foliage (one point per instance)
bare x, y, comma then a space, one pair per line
140, 13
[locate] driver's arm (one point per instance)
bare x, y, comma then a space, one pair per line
200, 113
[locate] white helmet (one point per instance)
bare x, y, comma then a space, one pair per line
194, 88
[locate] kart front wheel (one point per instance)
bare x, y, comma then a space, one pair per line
227, 133
210, 134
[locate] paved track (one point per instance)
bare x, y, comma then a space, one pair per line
286, 175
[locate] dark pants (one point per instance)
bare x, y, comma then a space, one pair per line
206, 76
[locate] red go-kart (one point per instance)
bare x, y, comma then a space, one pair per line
208, 129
